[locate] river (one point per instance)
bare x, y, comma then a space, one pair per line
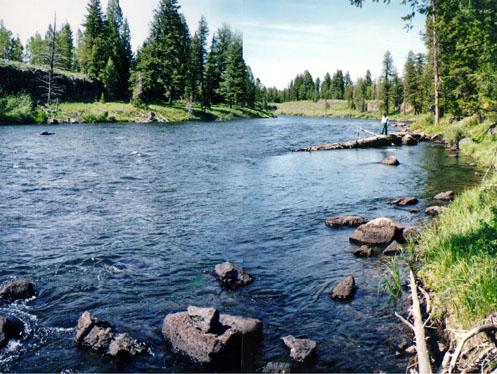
128, 221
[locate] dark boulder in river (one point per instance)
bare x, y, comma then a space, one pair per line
351, 221
409, 140
363, 251
99, 335
404, 201
390, 161
378, 232
228, 336
232, 276
10, 328
345, 289
300, 349
17, 289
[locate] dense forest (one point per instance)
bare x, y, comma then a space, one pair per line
457, 76
172, 63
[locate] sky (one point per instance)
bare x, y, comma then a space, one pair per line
281, 37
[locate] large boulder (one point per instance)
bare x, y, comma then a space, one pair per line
231, 276
444, 196
17, 289
99, 335
434, 211
300, 349
390, 161
351, 221
404, 201
10, 328
345, 289
378, 232
228, 340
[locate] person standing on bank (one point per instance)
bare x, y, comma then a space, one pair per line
384, 122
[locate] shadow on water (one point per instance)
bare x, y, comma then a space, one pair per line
129, 220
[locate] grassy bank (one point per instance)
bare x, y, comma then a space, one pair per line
457, 254
330, 108
125, 112
19, 109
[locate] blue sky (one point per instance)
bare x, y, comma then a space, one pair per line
281, 37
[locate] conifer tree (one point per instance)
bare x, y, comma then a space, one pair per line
66, 46
198, 61
387, 76
94, 49
233, 85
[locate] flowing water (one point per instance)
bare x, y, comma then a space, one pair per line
128, 221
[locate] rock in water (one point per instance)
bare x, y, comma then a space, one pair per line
345, 289
277, 368
17, 289
363, 251
46, 133
233, 336
231, 276
10, 328
300, 349
99, 335
404, 201
444, 196
393, 249
378, 232
125, 347
409, 140
390, 160
434, 211
351, 221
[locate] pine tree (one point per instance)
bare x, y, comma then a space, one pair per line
387, 76
326, 87
66, 45
94, 50
233, 86
338, 86
119, 40
162, 62
110, 80
197, 63
10, 48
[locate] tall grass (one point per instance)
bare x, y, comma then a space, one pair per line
393, 279
457, 254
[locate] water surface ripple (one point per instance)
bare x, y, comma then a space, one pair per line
128, 220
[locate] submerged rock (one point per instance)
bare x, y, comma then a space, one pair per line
99, 335
351, 221
378, 232
414, 211
300, 349
228, 340
444, 196
363, 251
434, 211
390, 161
10, 328
277, 368
232, 276
345, 289
404, 201
393, 249
17, 289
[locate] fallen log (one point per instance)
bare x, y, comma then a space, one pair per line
377, 141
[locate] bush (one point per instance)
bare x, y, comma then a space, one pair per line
17, 109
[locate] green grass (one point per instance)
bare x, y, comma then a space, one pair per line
393, 279
331, 108
457, 255
125, 112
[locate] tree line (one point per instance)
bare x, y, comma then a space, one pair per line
172, 64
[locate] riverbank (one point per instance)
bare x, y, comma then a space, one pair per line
19, 109
455, 255
331, 108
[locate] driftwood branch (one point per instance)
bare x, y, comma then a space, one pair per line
404, 321
477, 330
424, 365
